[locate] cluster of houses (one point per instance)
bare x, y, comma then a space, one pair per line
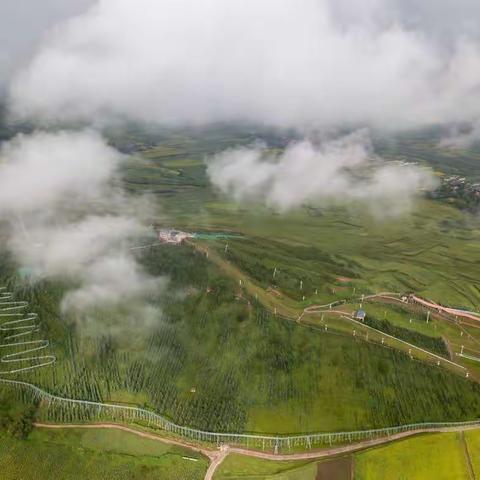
457, 185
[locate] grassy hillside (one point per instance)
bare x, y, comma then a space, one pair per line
214, 359
205, 353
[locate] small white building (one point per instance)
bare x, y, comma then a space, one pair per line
167, 235
360, 315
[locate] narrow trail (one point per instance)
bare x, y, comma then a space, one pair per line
216, 457
468, 459
215, 463
211, 454
452, 311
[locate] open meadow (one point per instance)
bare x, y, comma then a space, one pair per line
433, 250
95, 454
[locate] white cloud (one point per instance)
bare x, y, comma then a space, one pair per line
69, 220
68, 248
462, 138
109, 280
23, 24
40, 170
336, 171
275, 62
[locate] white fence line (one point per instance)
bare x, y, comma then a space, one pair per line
438, 357
95, 410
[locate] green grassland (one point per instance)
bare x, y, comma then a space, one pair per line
212, 360
405, 328
415, 253
249, 468
438, 456
472, 439
434, 250
424, 147
433, 344
212, 357
95, 454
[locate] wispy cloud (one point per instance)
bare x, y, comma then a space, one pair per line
343, 170
70, 219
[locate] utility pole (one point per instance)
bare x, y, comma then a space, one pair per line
274, 272
301, 284
428, 315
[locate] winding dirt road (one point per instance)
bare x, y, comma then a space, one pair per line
218, 456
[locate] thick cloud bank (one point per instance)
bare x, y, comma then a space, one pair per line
317, 62
44, 169
336, 171
69, 219
23, 23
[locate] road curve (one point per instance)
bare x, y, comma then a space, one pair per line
218, 456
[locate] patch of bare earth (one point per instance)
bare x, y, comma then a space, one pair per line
340, 468
344, 279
